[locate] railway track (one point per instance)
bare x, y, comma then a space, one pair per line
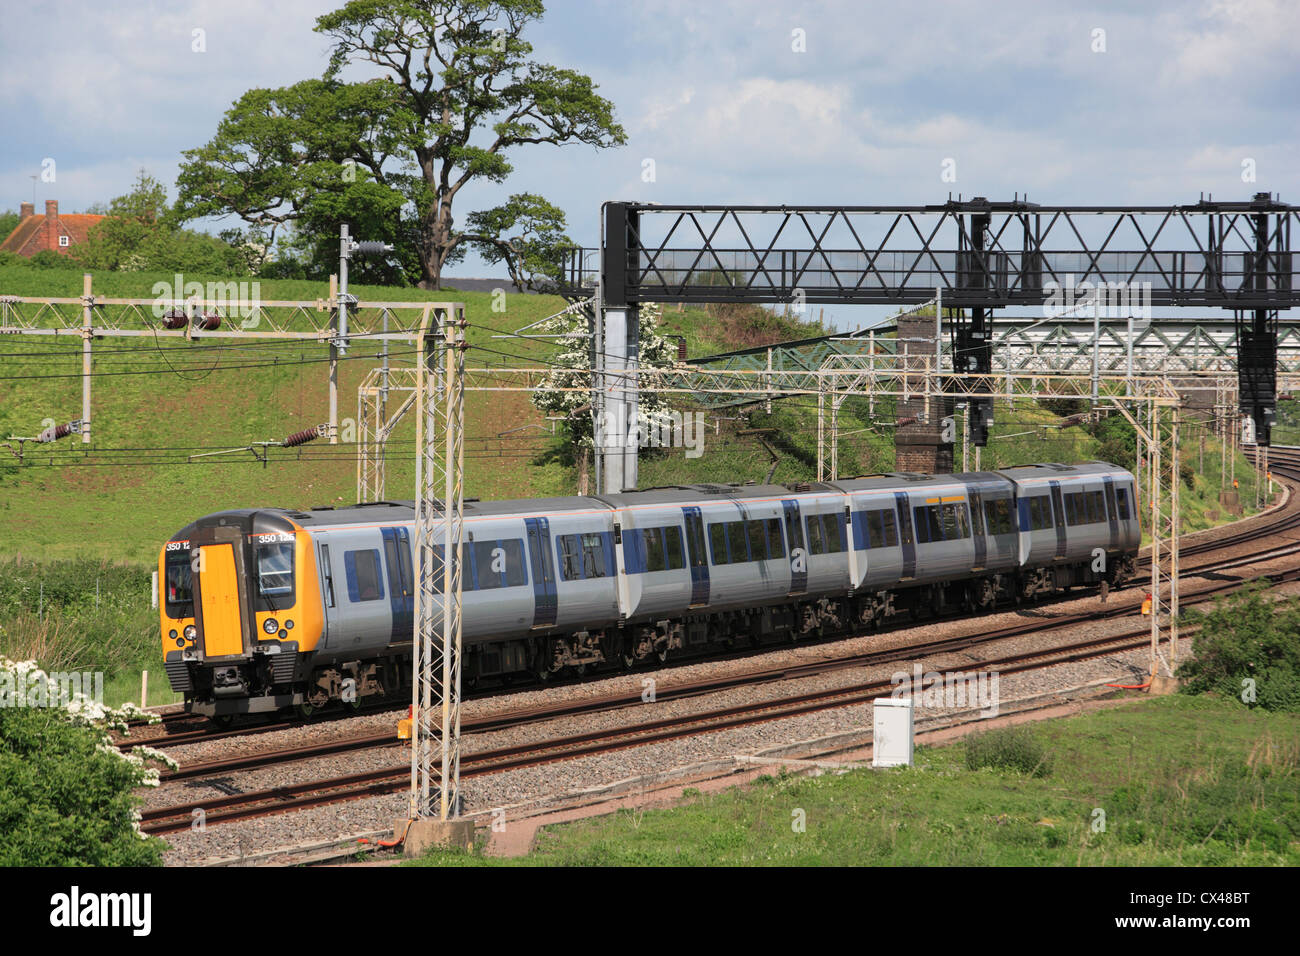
393, 779
396, 778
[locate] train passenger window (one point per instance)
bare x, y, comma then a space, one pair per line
594, 559
929, 523
365, 582
652, 541
583, 556
1040, 513
757, 540
997, 516
499, 564
882, 528
889, 523
660, 549
737, 543
570, 557
275, 569
775, 542
1121, 503
673, 545
956, 522
832, 532
1074, 510
815, 534
718, 542
1085, 507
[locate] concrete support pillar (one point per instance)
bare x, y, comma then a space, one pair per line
617, 427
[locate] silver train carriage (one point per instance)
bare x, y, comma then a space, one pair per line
273, 608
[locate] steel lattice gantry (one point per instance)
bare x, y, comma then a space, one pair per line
976, 254
1171, 347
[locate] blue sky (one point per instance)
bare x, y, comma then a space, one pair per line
713, 92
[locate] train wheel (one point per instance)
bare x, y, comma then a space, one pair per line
662, 655
629, 661
306, 710
222, 720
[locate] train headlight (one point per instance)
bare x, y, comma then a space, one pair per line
288, 625
270, 625
191, 632
172, 634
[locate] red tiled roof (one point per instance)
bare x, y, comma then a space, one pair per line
24, 231
77, 225
26, 238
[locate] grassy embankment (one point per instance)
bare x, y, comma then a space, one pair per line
1177, 781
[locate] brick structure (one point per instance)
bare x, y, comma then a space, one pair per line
51, 231
918, 445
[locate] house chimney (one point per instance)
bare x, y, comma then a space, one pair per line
25, 210
51, 225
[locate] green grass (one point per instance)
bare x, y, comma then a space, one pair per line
208, 403
1181, 781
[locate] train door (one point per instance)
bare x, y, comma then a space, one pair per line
977, 529
1112, 513
798, 553
401, 585
545, 603
1058, 513
327, 591
697, 557
905, 537
220, 615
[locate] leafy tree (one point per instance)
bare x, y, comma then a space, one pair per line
8, 223
532, 255
457, 91
294, 163
1118, 440
140, 233
1246, 645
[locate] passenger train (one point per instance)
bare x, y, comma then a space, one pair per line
273, 608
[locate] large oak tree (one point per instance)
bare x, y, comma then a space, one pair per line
451, 91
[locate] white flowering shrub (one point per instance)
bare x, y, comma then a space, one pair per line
65, 788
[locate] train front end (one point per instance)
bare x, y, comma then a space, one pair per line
240, 611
